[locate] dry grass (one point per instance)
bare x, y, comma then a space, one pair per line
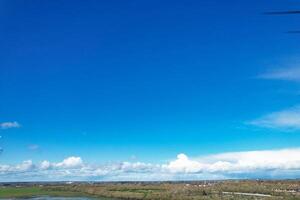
179, 191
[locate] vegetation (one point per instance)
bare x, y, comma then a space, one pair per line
165, 190
32, 191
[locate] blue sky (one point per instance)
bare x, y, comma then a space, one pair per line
143, 81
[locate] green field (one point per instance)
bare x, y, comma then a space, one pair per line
26, 192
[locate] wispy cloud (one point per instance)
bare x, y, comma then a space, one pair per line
33, 147
268, 163
7, 125
287, 74
285, 119
288, 119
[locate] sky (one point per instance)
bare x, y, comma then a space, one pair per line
149, 90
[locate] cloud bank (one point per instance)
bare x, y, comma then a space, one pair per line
283, 163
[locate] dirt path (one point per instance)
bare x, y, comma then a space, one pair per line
248, 194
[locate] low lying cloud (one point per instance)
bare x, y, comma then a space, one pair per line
283, 163
7, 125
238, 162
71, 162
68, 163
285, 119
184, 165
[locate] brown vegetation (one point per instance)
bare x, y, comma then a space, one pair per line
191, 190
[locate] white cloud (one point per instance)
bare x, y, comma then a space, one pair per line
136, 167
185, 165
238, 162
7, 125
71, 162
283, 163
285, 159
68, 163
45, 165
25, 166
285, 119
287, 74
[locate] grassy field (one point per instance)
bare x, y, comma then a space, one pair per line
224, 190
32, 191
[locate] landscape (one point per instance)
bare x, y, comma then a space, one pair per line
230, 189
149, 99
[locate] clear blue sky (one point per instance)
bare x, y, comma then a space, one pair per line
112, 80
